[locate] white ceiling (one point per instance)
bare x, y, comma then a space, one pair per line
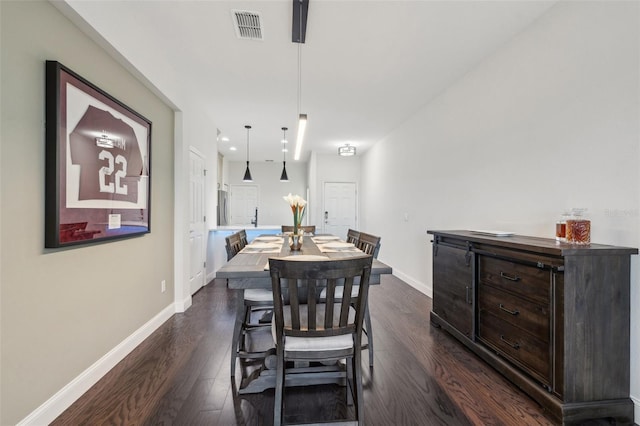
367, 66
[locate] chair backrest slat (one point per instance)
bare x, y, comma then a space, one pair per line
347, 287
294, 303
330, 302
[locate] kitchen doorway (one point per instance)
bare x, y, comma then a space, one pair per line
244, 205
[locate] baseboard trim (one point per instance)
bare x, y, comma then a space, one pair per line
420, 286
66, 396
183, 305
636, 409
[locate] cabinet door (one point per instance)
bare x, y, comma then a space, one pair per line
453, 287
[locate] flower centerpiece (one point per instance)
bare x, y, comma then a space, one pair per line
297, 204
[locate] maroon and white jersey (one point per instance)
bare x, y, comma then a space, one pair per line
107, 151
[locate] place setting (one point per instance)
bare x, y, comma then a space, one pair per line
268, 239
322, 239
337, 246
262, 247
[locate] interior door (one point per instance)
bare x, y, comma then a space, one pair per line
244, 203
339, 213
197, 253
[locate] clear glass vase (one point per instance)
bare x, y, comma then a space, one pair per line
295, 241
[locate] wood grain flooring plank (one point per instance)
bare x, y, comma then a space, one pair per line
438, 349
422, 376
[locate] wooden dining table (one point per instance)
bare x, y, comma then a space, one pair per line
249, 270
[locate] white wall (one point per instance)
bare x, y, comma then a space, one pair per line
313, 175
331, 168
272, 209
548, 122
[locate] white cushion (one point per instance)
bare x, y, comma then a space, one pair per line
344, 341
338, 293
258, 295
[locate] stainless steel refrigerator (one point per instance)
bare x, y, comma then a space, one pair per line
223, 208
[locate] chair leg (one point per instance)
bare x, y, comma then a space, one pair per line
357, 378
369, 331
237, 331
278, 400
349, 381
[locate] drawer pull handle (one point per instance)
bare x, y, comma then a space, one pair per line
509, 277
513, 345
516, 312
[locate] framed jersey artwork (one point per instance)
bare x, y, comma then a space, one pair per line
98, 180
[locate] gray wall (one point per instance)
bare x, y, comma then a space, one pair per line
549, 121
62, 310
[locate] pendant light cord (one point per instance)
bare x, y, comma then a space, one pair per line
300, 57
299, 77
248, 128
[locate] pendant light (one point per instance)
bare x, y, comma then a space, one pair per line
247, 173
283, 176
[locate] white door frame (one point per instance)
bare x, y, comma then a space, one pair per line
197, 225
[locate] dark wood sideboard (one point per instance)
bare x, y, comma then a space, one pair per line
551, 317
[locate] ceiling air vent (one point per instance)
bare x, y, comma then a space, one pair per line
248, 25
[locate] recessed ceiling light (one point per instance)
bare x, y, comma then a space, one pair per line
225, 139
233, 148
285, 150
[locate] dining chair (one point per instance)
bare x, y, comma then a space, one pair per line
308, 229
308, 331
369, 244
253, 300
233, 244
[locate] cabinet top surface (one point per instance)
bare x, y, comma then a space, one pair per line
536, 244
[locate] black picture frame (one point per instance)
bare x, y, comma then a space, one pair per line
98, 163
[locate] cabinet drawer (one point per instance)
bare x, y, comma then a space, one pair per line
522, 280
529, 317
523, 349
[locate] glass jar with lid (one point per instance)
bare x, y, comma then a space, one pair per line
578, 229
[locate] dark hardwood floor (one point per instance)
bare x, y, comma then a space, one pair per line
422, 376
